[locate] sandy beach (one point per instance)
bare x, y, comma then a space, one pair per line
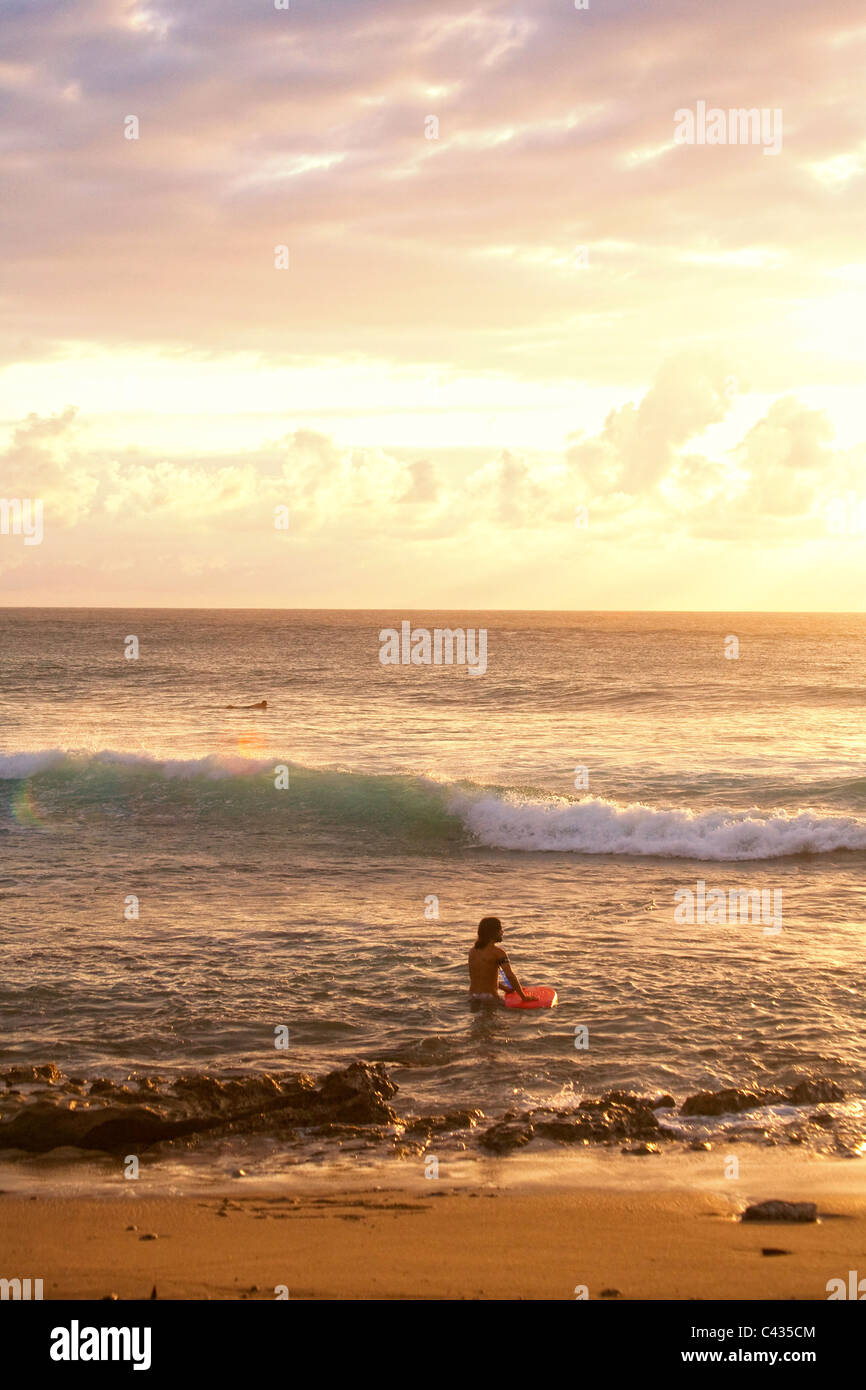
499, 1245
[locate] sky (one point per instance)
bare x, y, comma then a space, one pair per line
354, 304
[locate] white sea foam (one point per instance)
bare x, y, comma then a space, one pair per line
601, 827
14, 766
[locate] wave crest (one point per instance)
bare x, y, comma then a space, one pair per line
594, 826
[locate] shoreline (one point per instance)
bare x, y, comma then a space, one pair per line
766, 1172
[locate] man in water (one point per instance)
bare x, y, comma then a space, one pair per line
486, 959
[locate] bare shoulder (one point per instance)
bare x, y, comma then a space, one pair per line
499, 954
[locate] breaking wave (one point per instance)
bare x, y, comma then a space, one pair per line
435, 813
602, 827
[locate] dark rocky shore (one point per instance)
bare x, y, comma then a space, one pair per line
41, 1109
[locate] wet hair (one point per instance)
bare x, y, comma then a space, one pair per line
487, 929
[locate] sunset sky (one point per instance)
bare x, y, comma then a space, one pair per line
510, 294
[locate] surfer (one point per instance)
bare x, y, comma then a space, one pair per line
486, 959
262, 704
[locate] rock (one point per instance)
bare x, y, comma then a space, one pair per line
610, 1293
824, 1120
241, 1095
565, 1129
643, 1149
353, 1134
43, 1126
815, 1092
627, 1099
732, 1100
697, 1144
139, 1126
456, 1119
450, 1121
112, 1090
630, 1101
30, 1075
729, 1101
153, 1293
605, 1121
149, 1235
774, 1250
420, 1124
109, 1298
359, 1093
239, 1173
781, 1211
598, 1121
118, 1119
507, 1135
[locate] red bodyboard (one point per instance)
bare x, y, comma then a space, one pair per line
540, 997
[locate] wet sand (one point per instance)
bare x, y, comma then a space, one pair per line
486, 1244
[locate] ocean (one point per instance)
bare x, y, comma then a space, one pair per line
169, 911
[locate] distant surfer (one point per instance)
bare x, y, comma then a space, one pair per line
486, 959
262, 704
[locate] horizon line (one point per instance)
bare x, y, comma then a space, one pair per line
239, 608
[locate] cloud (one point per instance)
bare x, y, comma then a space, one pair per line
644, 472
191, 495
41, 461
787, 460
424, 484
514, 492
639, 444
641, 441
661, 502
306, 127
